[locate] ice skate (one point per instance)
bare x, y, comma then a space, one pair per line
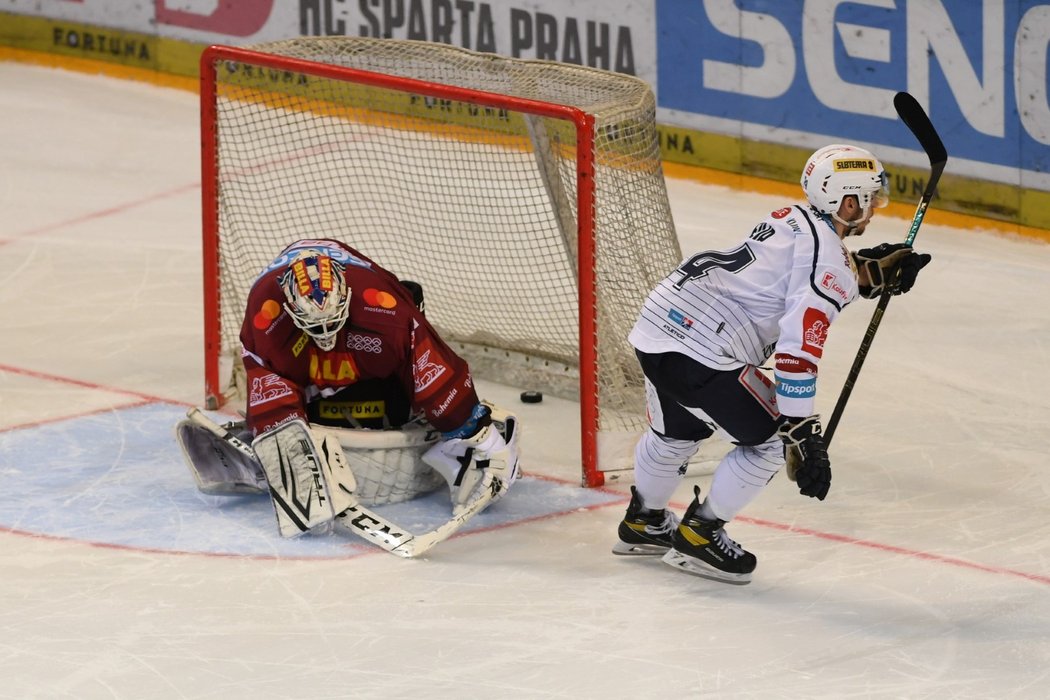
702, 548
643, 531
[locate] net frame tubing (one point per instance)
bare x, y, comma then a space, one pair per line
585, 186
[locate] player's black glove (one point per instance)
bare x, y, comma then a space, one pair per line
806, 455
890, 265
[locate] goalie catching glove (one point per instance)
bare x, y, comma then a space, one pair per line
893, 266
480, 456
806, 455
219, 456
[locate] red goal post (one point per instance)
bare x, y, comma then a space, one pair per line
526, 196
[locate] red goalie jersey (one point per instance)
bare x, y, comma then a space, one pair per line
384, 336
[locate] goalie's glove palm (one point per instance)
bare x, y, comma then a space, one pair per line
893, 266
806, 454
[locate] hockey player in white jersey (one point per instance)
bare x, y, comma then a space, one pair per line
705, 330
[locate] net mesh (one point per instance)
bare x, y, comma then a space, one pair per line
478, 204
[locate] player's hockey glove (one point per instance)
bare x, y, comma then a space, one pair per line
892, 266
806, 455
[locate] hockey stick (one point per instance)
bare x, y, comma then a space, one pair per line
373, 527
366, 523
915, 118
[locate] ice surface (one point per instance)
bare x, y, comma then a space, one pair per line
926, 573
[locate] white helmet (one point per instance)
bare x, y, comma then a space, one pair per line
318, 299
838, 170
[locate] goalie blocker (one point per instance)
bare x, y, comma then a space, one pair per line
465, 462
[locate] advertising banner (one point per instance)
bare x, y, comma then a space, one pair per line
798, 72
748, 86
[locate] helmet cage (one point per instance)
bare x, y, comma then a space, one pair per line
317, 297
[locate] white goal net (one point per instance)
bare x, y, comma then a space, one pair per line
527, 197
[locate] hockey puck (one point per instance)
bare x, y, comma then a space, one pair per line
531, 396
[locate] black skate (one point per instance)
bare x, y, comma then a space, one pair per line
644, 531
702, 547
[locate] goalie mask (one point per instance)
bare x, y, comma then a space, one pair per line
838, 170
318, 299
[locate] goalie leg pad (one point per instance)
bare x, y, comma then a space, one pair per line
297, 469
342, 486
218, 467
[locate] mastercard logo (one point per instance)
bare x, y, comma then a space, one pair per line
269, 311
375, 297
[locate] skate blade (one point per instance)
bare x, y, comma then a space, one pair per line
636, 550
691, 565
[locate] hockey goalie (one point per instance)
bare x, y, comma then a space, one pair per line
353, 400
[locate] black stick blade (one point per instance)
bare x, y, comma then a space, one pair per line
915, 118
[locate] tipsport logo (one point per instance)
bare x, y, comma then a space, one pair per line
797, 388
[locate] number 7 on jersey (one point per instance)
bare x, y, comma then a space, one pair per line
702, 263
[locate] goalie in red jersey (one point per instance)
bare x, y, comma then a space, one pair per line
339, 354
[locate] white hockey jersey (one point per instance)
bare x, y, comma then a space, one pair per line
778, 290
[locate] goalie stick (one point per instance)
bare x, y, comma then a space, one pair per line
366, 523
373, 527
916, 119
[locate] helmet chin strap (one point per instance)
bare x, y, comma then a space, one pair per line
851, 226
